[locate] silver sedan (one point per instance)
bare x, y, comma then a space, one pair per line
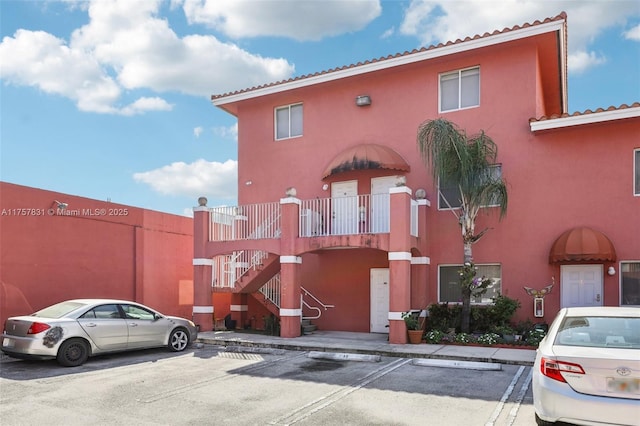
587, 368
74, 330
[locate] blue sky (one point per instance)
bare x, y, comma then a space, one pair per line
111, 99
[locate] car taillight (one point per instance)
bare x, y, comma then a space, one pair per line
554, 369
38, 327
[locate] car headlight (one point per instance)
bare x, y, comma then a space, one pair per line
191, 323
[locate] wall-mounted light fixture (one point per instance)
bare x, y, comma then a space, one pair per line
249, 182
363, 100
60, 205
325, 187
611, 270
291, 192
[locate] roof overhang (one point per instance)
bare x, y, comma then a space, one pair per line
584, 118
495, 38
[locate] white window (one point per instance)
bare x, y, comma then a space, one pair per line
630, 283
449, 192
460, 89
449, 283
636, 172
288, 121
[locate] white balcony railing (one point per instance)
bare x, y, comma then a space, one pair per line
248, 222
361, 214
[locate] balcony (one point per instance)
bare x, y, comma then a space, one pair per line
361, 214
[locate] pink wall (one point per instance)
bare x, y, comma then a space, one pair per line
117, 251
557, 179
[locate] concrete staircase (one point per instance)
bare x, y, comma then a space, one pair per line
308, 327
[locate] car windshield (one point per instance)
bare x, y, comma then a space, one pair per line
601, 332
58, 310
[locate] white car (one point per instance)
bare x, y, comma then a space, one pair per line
587, 368
74, 330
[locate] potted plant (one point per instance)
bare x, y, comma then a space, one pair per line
414, 328
507, 333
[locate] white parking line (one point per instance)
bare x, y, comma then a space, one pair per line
523, 390
505, 396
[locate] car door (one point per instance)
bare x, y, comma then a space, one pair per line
106, 327
146, 328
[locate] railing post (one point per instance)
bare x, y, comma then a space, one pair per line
399, 262
202, 268
290, 305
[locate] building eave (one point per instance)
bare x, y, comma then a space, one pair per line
398, 60
585, 118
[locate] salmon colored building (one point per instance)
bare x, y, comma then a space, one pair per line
339, 219
58, 246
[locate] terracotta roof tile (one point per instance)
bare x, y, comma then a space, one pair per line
586, 112
561, 16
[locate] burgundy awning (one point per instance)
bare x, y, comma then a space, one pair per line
582, 244
366, 156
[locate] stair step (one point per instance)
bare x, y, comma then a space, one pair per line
309, 329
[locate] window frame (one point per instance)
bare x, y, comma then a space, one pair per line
459, 265
621, 269
459, 73
443, 206
275, 121
636, 172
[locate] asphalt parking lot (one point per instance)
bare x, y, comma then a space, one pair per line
211, 384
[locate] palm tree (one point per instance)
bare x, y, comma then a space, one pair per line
468, 163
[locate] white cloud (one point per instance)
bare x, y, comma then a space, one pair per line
441, 21
197, 131
633, 33
200, 178
125, 47
227, 132
580, 61
299, 20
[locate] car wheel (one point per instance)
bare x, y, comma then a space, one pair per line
541, 422
178, 340
73, 352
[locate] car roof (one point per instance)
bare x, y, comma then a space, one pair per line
94, 301
603, 311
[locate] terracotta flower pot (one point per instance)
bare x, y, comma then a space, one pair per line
415, 336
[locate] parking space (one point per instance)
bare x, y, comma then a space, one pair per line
211, 384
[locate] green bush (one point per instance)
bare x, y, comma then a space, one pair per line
484, 319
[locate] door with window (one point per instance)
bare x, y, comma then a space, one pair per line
379, 304
581, 285
344, 207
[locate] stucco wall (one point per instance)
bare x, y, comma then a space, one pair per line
90, 249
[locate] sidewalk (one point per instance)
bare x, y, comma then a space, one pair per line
369, 343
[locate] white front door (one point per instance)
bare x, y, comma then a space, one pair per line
379, 305
380, 203
344, 207
581, 285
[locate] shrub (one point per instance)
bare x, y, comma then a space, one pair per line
488, 339
464, 338
434, 336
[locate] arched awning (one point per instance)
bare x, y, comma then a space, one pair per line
582, 244
364, 157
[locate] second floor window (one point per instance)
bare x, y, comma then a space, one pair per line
449, 192
460, 89
288, 121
